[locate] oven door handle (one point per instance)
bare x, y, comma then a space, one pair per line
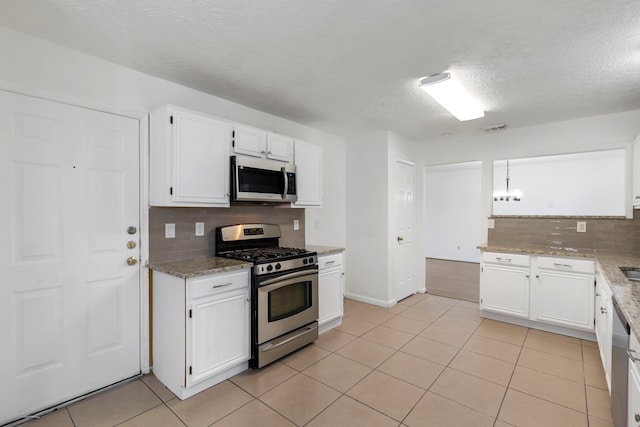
289, 276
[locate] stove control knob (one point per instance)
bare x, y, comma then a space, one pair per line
269, 267
311, 260
278, 266
304, 261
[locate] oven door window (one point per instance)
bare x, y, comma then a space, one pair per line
289, 300
252, 180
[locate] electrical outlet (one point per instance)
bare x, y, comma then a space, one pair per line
581, 227
296, 224
491, 223
199, 228
169, 231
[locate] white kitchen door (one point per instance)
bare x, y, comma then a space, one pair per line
69, 301
405, 229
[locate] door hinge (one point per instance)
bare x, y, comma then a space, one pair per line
190, 314
190, 370
171, 191
171, 119
594, 322
233, 138
481, 269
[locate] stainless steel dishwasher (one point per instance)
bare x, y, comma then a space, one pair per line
619, 367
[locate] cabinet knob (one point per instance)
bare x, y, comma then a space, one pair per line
603, 310
637, 417
262, 152
269, 152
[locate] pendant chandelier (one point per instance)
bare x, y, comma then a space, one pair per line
507, 195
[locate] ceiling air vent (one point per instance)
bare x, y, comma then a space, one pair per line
495, 128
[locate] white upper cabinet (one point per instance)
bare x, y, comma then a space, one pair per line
308, 161
249, 141
255, 142
279, 148
189, 159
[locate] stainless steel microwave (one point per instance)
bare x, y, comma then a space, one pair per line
262, 180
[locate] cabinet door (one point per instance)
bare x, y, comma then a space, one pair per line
330, 297
308, 160
505, 290
565, 299
200, 159
633, 407
249, 141
279, 148
219, 334
604, 324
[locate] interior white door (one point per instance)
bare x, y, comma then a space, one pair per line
405, 218
69, 301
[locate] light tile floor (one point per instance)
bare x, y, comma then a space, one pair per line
428, 361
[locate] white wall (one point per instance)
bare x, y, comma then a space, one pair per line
367, 219
585, 134
592, 183
371, 212
30, 64
452, 203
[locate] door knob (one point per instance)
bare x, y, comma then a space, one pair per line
132, 260
131, 244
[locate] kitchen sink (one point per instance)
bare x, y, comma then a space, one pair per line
631, 273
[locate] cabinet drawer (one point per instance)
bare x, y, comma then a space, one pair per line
504, 258
567, 264
210, 285
329, 261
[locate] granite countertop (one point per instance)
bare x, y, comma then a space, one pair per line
324, 250
625, 291
187, 268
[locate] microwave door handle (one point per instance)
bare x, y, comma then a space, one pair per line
286, 183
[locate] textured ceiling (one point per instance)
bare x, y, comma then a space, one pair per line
350, 66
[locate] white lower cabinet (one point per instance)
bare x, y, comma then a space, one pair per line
504, 284
540, 290
604, 323
564, 292
201, 329
330, 291
633, 402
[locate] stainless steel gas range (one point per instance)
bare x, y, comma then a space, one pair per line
284, 289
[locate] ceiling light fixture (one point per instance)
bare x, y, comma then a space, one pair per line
502, 195
448, 93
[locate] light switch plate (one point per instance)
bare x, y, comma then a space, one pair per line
491, 223
581, 227
296, 224
169, 231
199, 228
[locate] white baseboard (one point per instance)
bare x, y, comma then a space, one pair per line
372, 301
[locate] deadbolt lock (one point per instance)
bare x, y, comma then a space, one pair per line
132, 260
132, 230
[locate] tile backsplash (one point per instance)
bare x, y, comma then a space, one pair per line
602, 234
186, 245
